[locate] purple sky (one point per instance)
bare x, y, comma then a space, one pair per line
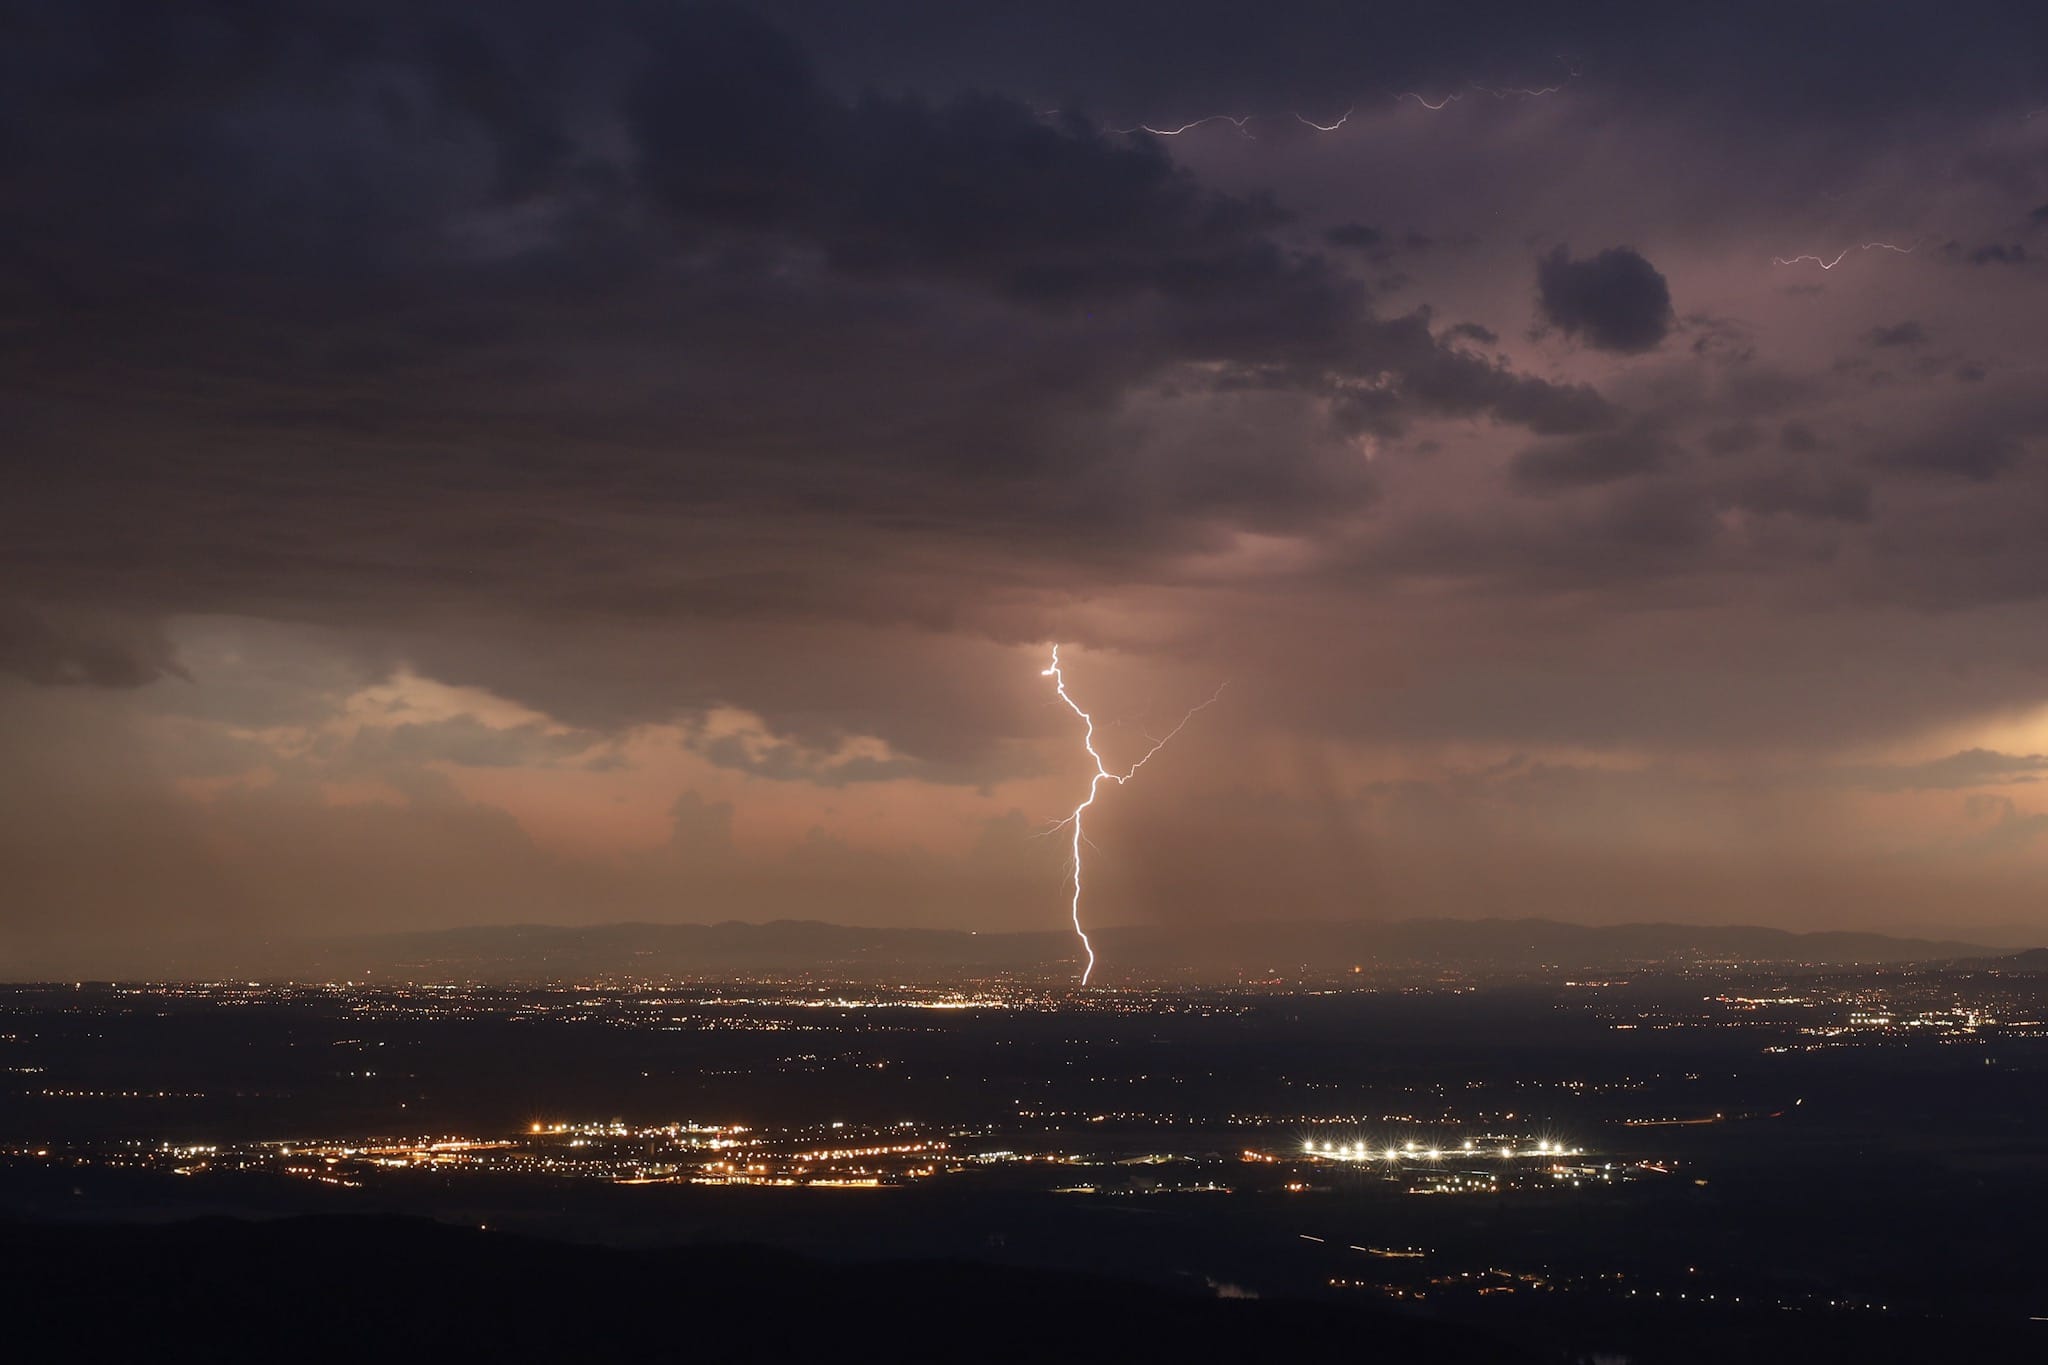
582, 462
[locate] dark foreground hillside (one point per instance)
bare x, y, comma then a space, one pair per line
403, 1289
410, 1289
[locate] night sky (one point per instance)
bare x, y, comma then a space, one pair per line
574, 462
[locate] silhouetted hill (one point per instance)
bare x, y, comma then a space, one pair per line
1215, 953
409, 1289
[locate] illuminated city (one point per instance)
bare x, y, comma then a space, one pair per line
1242, 1116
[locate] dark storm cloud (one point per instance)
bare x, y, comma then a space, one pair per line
981, 191
635, 315
1159, 59
347, 315
735, 130
1615, 301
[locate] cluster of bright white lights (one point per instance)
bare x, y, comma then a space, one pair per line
1410, 1151
1102, 775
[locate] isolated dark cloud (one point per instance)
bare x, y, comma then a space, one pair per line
1615, 301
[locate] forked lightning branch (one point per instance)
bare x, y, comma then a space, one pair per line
1102, 774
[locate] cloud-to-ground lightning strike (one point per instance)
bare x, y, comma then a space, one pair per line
1102, 774
1826, 264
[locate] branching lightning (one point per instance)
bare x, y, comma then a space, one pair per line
1231, 119
1102, 774
1498, 92
1826, 264
1242, 123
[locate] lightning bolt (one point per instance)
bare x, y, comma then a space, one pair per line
1826, 264
1231, 119
1102, 775
1242, 123
1498, 92
1328, 127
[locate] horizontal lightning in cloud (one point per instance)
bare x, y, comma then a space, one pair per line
1498, 92
1231, 119
1242, 122
1327, 127
1840, 256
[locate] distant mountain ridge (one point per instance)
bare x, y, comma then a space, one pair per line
536, 952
